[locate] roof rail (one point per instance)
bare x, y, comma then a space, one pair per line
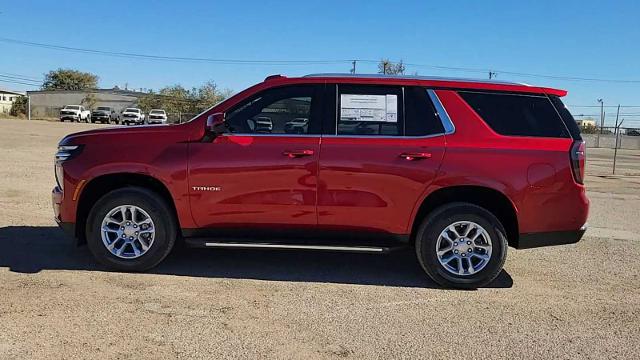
273, 77
412, 77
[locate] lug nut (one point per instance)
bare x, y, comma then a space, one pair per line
455, 244
128, 223
130, 237
455, 251
468, 242
122, 228
470, 250
124, 236
135, 226
137, 234
463, 254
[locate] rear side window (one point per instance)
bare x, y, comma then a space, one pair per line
370, 110
420, 115
517, 115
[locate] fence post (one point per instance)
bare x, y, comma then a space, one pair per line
29, 106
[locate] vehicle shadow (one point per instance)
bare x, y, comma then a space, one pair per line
30, 249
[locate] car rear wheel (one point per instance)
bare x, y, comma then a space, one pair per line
131, 229
461, 245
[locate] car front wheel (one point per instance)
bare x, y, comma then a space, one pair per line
131, 229
461, 245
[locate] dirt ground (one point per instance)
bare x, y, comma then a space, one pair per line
574, 301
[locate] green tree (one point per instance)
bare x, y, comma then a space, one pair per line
19, 106
177, 99
68, 79
385, 66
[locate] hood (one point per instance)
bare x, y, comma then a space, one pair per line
140, 135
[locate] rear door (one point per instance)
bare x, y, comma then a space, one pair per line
379, 152
263, 172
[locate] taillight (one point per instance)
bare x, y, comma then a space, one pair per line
578, 158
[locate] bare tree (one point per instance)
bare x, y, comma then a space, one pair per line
385, 66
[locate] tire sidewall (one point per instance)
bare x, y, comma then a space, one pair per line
441, 218
158, 211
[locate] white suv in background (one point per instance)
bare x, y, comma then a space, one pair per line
132, 116
157, 116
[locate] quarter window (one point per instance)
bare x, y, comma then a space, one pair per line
286, 110
517, 115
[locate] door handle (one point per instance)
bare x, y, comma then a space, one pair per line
415, 156
297, 153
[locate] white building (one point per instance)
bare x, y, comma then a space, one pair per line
6, 100
586, 123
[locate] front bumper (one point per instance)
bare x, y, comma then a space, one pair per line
56, 201
534, 240
69, 117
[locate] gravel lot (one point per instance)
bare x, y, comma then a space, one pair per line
575, 301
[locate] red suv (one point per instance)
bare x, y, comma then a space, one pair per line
457, 169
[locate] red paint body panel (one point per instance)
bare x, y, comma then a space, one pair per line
341, 182
365, 183
260, 184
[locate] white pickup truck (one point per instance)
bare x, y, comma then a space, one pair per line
132, 116
75, 113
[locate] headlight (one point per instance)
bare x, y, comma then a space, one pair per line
65, 152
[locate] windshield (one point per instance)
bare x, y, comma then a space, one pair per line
72, 107
103, 108
132, 110
157, 112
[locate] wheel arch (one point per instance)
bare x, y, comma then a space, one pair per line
101, 185
493, 200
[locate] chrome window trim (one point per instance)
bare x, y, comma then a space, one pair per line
271, 135
449, 126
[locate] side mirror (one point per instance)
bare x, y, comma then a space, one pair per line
216, 124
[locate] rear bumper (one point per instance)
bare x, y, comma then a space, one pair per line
534, 240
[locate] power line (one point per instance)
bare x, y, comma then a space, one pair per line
300, 62
172, 58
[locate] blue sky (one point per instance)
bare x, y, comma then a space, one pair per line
593, 39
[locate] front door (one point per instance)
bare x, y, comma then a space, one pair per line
384, 148
263, 172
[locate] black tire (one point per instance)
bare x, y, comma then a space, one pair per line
437, 221
160, 213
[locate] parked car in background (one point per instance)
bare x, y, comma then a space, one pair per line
132, 116
157, 116
457, 170
104, 114
263, 124
633, 132
75, 113
297, 126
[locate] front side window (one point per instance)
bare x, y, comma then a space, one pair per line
517, 115
285, 110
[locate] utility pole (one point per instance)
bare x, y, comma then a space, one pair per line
29, 106
601, 101
615, 146
353, 68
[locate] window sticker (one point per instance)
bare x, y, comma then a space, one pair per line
373, 108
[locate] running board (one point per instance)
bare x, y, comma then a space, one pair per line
290, 246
